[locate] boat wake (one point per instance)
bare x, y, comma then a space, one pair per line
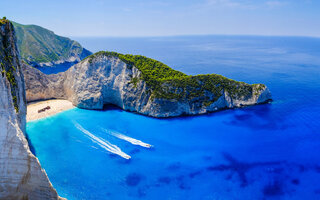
102, 143
128, 139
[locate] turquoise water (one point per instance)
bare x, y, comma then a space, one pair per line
267, 151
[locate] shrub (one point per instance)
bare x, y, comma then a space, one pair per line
167, 83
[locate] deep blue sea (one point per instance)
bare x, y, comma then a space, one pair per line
56, 68
269, 151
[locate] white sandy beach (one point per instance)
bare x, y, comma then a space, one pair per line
56, 106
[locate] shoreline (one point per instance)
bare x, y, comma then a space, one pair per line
56, 106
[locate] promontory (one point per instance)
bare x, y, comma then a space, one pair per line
143, 85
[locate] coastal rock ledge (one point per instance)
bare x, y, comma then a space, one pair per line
143, 85
21, 176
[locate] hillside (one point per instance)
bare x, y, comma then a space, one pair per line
41, 47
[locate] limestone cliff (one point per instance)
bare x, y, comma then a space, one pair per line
130, 83
21, 176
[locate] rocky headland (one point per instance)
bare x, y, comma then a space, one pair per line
143, 85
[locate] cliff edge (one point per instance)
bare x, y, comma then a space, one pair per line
143, 85
21, 176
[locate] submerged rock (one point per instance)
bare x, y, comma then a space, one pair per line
143, 85
273, 189
133, 179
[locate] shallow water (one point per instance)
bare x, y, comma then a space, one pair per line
267, 151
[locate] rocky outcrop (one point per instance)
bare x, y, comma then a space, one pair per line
21, 176
107, 79
40, 86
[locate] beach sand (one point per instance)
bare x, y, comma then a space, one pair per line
56, 106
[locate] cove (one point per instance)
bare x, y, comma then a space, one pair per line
264, 151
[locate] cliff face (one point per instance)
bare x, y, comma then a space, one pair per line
107, 79
21, 176
40, 86
40, 47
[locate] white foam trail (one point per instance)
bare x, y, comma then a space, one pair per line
128, 139
103, 143
94, 147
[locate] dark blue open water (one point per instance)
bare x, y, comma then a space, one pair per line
268, 151
56, 68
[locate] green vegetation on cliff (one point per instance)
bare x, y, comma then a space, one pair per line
7, 62
168, 83
39, 45
3, 21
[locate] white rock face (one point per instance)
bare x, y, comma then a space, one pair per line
108, 80
105, 81
21, 176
